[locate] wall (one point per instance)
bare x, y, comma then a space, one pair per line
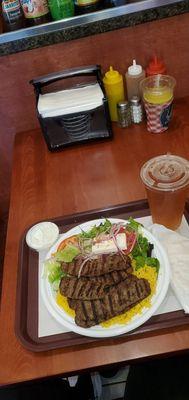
169, 38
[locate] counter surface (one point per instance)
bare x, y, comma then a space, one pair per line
46, 185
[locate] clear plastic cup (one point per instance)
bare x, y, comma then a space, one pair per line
157, 93
166, 179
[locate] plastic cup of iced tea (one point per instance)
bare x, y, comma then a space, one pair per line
166, 180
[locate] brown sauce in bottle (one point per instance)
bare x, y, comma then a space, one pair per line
12, 15
36, 12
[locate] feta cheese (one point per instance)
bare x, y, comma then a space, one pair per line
109, 246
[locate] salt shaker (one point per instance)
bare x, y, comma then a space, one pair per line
124, 114
136, 110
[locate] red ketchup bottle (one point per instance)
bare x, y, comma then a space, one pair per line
156, 67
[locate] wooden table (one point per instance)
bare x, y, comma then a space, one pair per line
47, 185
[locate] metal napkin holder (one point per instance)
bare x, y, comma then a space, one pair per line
76, 128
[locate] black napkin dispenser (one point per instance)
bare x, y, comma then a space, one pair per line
76, 128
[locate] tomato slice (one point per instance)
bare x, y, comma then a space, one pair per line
131, 237
131, 240
71, 240
122, 229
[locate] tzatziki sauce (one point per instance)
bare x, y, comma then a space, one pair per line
42, 235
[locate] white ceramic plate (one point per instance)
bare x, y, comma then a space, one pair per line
98, 331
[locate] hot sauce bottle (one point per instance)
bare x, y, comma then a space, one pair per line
36, 12
12, 14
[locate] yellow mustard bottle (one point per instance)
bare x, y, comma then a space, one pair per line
113, 83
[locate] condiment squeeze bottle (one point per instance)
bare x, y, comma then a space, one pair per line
113, 83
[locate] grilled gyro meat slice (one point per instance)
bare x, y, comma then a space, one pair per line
119, 299
72, 303
86, 288
98, 265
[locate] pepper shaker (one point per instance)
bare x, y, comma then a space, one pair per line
136, 110
124, 114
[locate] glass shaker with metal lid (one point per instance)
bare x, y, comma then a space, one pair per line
124, 114
136, 110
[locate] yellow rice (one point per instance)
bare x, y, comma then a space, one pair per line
63, 302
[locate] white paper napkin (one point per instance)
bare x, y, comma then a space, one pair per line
177, 247
70, 101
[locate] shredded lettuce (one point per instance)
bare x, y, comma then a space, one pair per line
67, 254
50, 266
54, 272
55, 285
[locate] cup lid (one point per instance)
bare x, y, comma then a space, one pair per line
165, 172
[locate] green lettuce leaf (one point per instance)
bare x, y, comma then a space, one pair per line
134, 225
153, 262
67, 254
96, 230
53, 272
142, 247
